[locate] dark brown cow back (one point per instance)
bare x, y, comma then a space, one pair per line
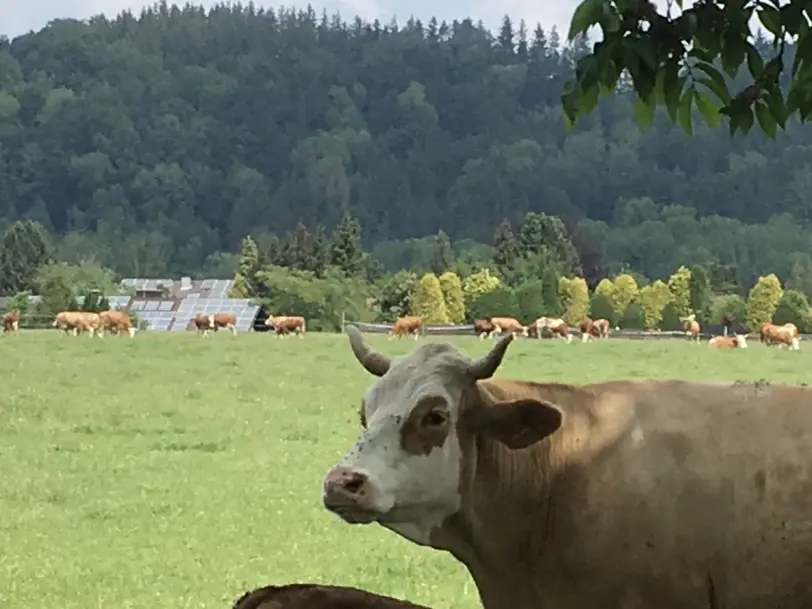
317, 596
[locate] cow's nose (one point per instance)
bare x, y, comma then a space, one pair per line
344, 486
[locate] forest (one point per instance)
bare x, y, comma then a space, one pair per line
153, 143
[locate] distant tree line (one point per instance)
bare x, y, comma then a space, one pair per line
152, 143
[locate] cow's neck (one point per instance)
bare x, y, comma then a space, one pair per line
500, 533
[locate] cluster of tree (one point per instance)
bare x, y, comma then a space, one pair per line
525, 278
152, 144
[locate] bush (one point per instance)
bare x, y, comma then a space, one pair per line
451, 287
574, 295
763, 301
679, 287
396, 295
530, 301
793, 308
700, 294
625, 293
671, 319
427, 300
500, 302
727, 304
479, 283
634, 317
549, 292
600, 307
652, 299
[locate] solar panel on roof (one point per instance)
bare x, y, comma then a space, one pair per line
166, 305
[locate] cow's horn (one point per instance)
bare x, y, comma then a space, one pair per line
375, 363
485, 367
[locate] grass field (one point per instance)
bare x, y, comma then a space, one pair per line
176, 472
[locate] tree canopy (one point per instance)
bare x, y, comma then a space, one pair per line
682, 58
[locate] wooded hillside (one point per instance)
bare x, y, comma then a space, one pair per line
153, 143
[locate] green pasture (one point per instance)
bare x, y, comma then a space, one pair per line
173, 472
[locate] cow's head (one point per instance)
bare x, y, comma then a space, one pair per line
404, 470
741, 340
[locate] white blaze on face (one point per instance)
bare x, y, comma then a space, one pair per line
742, 341
413, 492
211, 321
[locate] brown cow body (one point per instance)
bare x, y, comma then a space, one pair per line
594, 328
116, 322
784, 336
506, 324
284, 325
691, 328
555, 325
211, 323
11, 322
738, 341
409, 324
77, 322
624, 494
318, 596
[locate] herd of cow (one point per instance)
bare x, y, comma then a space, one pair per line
785, 335
120, 322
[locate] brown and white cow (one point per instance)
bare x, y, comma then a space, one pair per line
204, 324
555, 325
11, 322
785, 335
506, 324
483, 328
283, 325
614, 495
408, 324
318, 596
691, 327
77, 322
594, 328
116, 322
737, 341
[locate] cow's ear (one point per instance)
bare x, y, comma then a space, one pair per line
515, 424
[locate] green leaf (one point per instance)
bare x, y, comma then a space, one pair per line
765, 119
792, 16
718, 86
672, 88
755, 63
587, 14
746, 119
685, 118
645, 51
589, 99
707, 109
734, 48
644, 112
770, 18
775, 100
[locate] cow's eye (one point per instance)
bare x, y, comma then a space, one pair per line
435, 418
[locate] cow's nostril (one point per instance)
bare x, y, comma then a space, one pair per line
354, 483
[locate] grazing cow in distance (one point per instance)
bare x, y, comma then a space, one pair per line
204, 324
597, 328
318, 596
507, 324
227, 321
116, 322
11, 322
77, 322
409, 324
283, 325
555, 325
483, 328
610, 495
728, 342
784, 336
691, 327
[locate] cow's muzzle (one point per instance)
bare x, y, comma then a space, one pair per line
347, 493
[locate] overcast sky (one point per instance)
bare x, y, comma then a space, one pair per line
19, 16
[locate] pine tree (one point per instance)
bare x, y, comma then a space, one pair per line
346, 252
763, 300
442, 256
451, 287
24, 251
505, 246
427, 300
